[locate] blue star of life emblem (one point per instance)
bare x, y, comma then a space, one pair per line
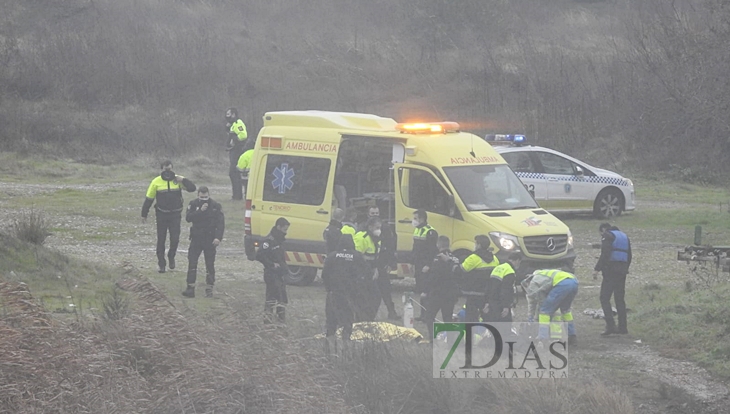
283, 180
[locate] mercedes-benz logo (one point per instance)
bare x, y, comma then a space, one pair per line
550, 243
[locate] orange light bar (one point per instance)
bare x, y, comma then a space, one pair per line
428, 128
271, 142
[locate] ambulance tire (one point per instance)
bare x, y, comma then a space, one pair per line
609, 203
300, 275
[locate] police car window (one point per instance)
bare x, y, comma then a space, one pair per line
553, 164
421, 190
296, 180
519, 161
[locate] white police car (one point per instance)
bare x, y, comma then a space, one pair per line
561, 183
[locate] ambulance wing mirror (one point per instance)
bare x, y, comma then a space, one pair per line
451, 205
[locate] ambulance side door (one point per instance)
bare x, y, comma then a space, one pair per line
416, 188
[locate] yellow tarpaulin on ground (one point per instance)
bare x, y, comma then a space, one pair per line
381, 332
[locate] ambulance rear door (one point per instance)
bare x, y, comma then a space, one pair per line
297, 186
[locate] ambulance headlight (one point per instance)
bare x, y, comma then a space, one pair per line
505, 241
570, 240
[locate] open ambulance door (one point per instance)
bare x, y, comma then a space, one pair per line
417, 187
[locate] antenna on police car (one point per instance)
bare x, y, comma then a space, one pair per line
472, 147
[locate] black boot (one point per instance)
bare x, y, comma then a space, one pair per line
171, 261
209, 291
189, 292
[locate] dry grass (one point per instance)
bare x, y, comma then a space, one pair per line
154, 360
396, 378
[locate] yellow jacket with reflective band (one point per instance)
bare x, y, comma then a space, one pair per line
556, 275
502, 270
348, 229
419, 233
475, 262
168, 194
365, 245
244, 161
239, 129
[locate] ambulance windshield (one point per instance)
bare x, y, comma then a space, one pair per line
489, 187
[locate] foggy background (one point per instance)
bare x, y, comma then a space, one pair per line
632, 85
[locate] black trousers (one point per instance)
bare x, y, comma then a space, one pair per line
276, 298
385, 289
236, 181
474, 305
420, 280
614, 284
339, 312
201, 245
439, 302
167, 222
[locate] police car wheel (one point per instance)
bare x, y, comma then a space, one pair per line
300, 276
609, 203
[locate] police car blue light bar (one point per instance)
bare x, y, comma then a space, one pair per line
516, 139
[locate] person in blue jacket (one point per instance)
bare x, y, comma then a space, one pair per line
614, 264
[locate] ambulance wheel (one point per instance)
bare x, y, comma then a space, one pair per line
300, 276
609, 203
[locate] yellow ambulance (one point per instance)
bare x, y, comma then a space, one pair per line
466, 187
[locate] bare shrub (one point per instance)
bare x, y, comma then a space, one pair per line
31, 227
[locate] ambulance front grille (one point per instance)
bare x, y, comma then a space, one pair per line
546, 245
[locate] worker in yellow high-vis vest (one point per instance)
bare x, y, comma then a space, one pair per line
562, 287
237, 136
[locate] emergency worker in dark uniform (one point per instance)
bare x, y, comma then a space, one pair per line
440, 286
273, 256
614, 264
474, 274
342, 269
333, 231
205, 235
166, 190
424, 250
236, 140
501, 292
367, 242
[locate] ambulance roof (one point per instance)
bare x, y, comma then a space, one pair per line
324, 119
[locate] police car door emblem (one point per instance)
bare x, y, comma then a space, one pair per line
567, 188
550, 243
283, 180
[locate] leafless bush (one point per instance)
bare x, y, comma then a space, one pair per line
31, 227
